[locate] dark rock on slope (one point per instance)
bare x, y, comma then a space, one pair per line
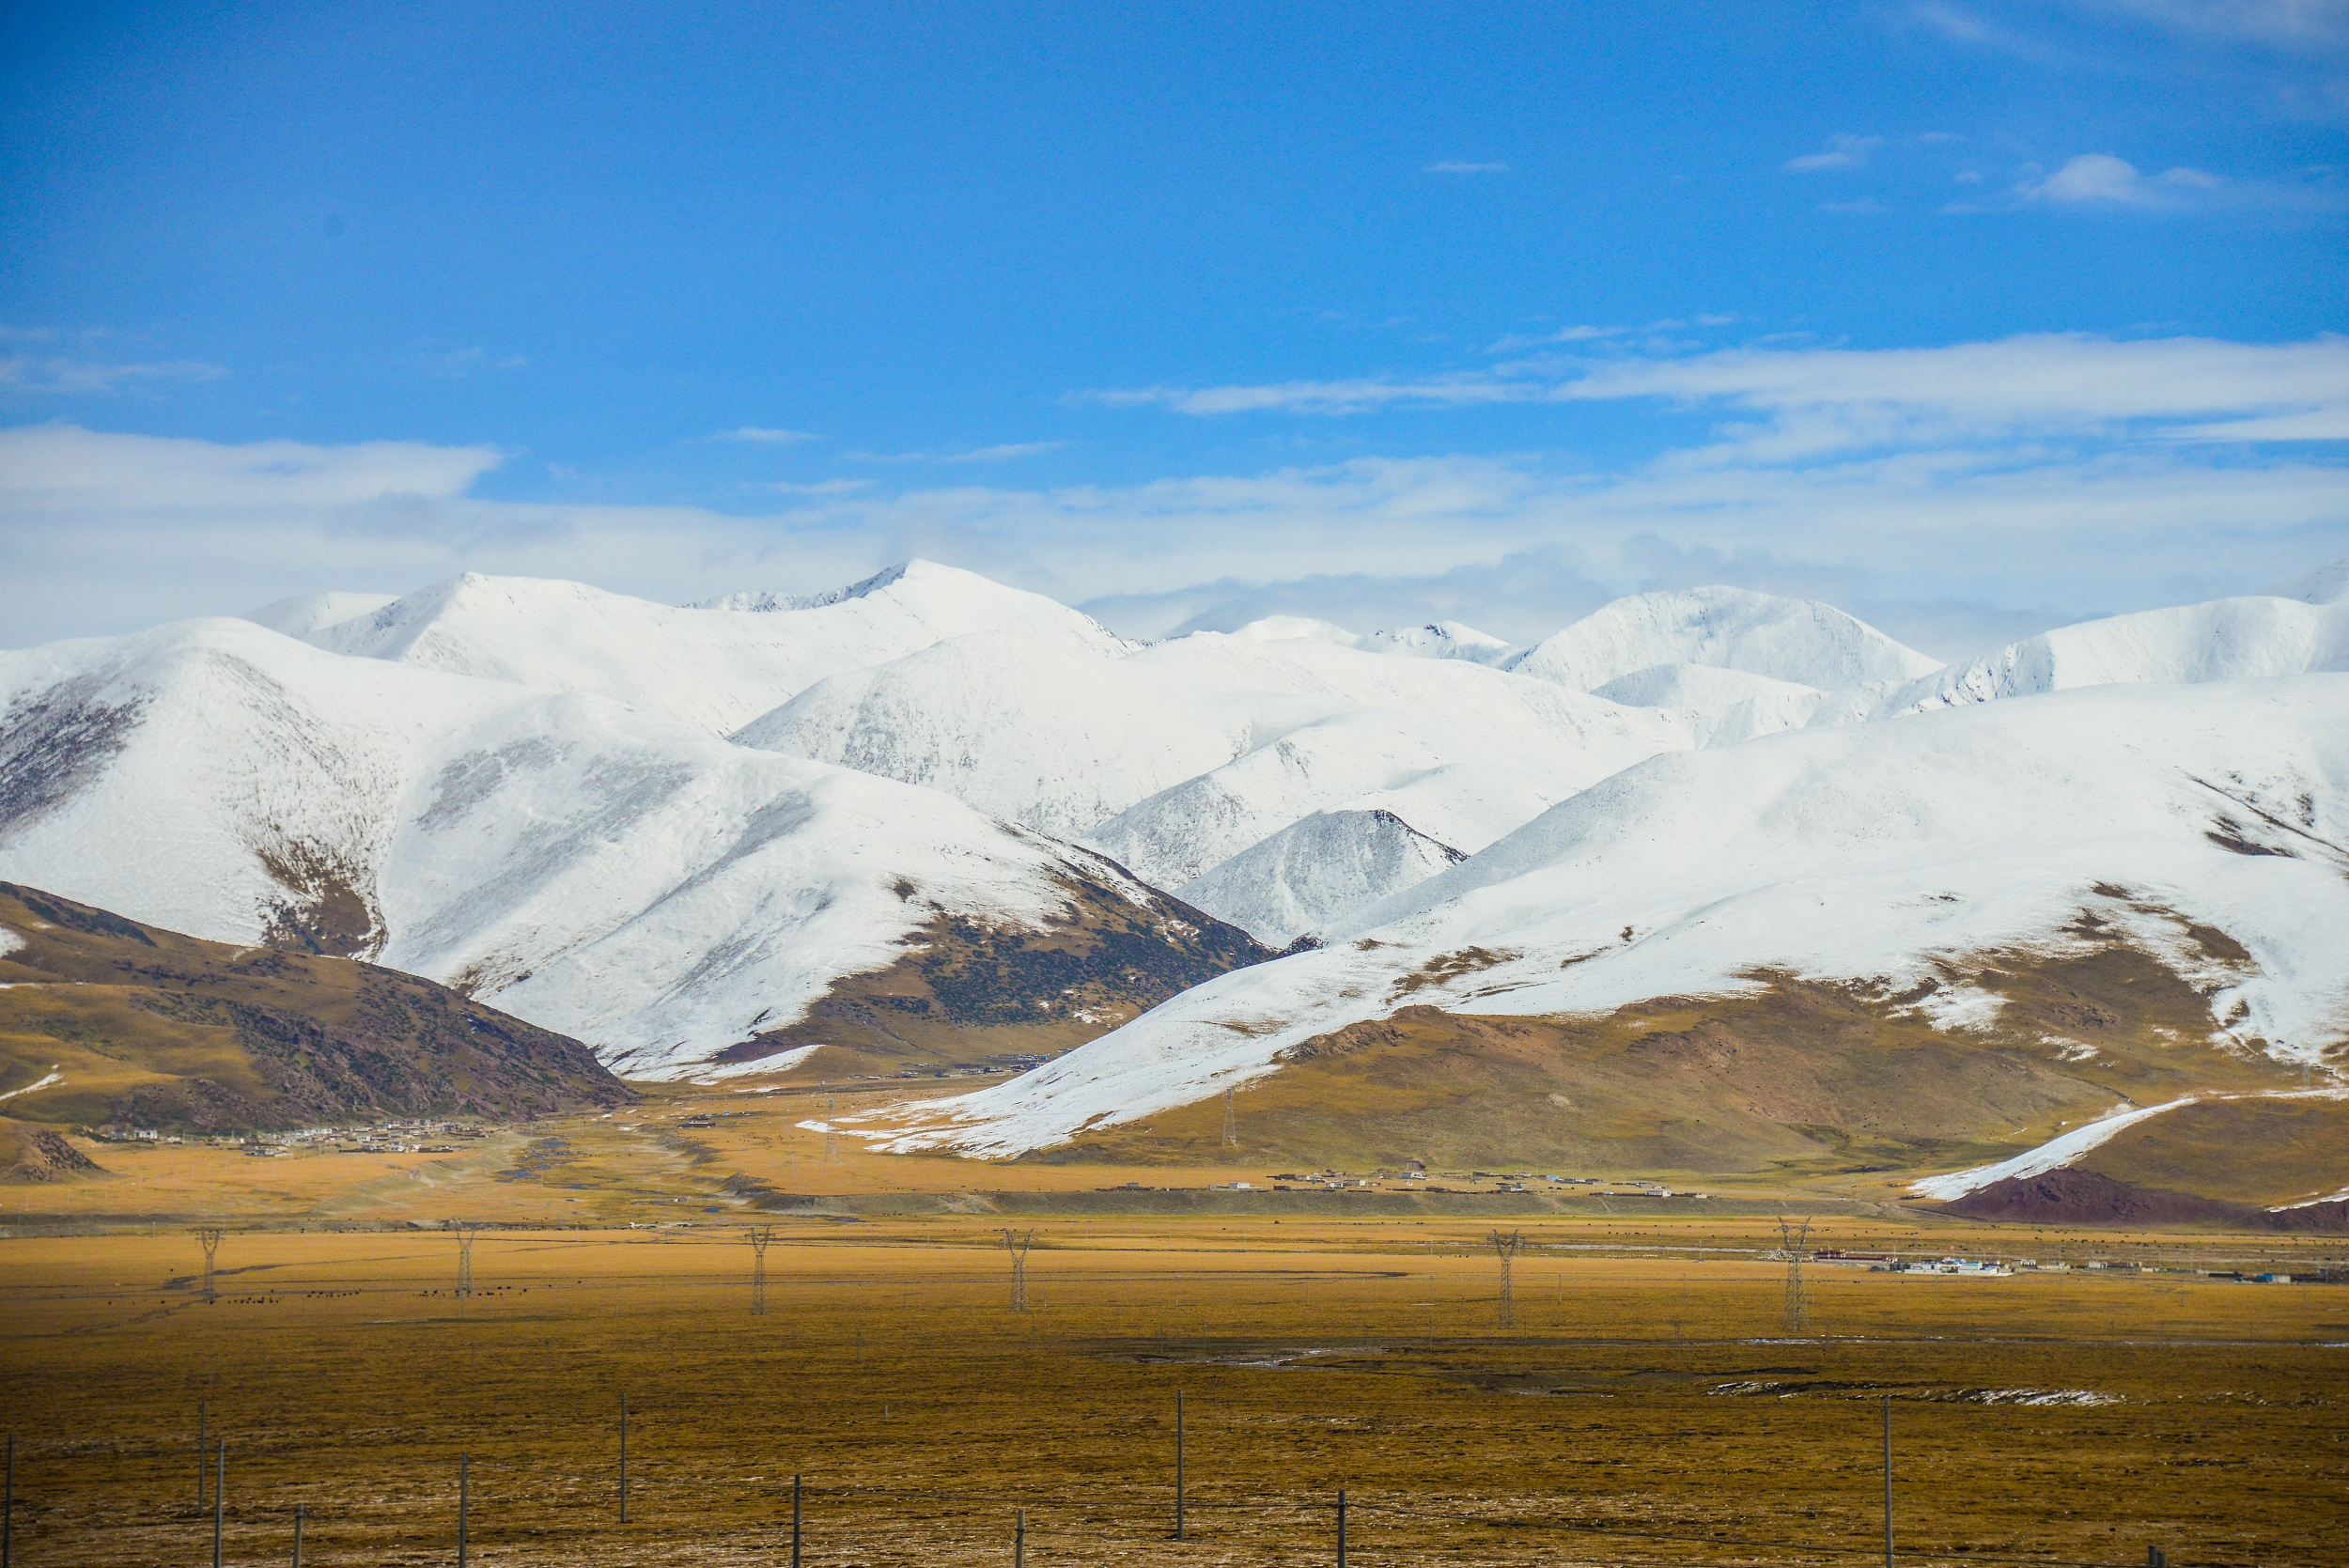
140, 1025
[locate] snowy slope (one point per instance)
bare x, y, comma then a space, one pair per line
307, 614
2326, 584
1887, 853
1312, 872
1435, 640
1731, 628
715, 669
2227, 638
614, 876
1175, 757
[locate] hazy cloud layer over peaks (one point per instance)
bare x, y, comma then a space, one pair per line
1951, 496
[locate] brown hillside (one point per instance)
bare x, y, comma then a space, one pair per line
144, 1026
1798, 1079
965, 991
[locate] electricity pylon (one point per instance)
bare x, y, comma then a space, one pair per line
1790, 1242
1505, 1245
1231, 1124
1016, 1243
208, 1238
760, 1236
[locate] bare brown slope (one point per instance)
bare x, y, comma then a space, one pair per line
966, 991
1799, 1078
147, 1026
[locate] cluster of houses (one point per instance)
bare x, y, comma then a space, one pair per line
1416, 1180
380, 1138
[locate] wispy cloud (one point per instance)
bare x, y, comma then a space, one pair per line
763, 436
467, 361
2297, 24
1842, 152
68, 375
1457, 165
1811, 401
822, 487
974, 455
1970, 484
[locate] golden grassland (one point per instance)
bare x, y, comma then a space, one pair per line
1648, 1409
1649, 1406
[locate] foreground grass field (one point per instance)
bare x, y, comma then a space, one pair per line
1648, 1408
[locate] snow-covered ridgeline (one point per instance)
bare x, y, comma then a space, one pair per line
1893, 852
714, 669
606, 873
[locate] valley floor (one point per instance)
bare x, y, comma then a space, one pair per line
1649, 1406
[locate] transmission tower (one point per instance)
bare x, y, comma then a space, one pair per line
1505, 1245
1792, 1239
465, 1257
1016, 1243
831, 1138
760, 1236
208, 1238
1231, 1122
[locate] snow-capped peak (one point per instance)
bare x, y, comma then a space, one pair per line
1435, 640
715, 669
2326, 584
1731, 628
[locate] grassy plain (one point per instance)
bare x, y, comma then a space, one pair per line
1649, 1406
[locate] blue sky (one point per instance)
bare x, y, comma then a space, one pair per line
1972, 317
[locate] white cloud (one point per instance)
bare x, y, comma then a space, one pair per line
1455, 165
1820, 400
1955, 494
1842, 152
765, 437
65, 375
2100, 180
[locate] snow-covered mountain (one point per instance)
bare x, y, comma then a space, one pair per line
1435, 640
603, 872
1174, 758
1930, 862
713, 668
1796, 641
2227, 638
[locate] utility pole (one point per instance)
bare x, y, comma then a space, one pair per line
1016, 1243
1020, 1539
1505, 1245
1888, 1481
1178, 1464
760, 1236
1341, 1526
1790, 1242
